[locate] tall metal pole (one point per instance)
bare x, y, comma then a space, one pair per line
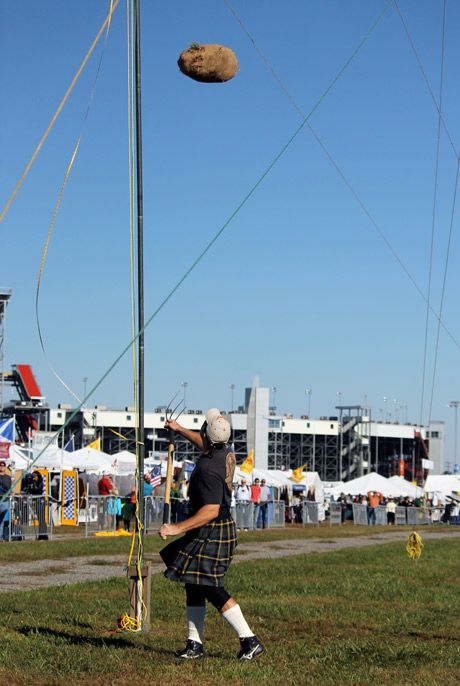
455, 404
140, 274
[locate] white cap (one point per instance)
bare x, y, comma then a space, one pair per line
210, 414
218, 430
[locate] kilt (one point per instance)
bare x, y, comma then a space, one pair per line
203, 555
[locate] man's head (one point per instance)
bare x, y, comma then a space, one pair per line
211, 414
256, 482
262, 483
218, 430
2, 465
243, 482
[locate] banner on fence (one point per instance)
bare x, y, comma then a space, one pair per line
69, 511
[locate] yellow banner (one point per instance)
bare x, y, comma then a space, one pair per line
96, 445
248, 464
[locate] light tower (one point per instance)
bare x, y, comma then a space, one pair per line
455, 404
5, 295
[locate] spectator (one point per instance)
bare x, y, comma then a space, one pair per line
374, 498
265, 498
104, 487
391, 510
5, 485
127, 509
255, 497
343, 501
447, 516
244, 510
243, 492
175, 495
105, 484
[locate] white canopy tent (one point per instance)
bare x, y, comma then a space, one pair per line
91, 460
371, 482
413, 490
443, 484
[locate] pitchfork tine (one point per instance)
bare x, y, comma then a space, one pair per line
183, 410
170, 403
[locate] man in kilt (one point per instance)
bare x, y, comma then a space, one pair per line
201, 557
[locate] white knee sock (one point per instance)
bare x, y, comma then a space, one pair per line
235, 618
195, 620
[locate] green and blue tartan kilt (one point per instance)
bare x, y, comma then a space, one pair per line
203, 555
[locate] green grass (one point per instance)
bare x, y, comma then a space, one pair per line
368, 616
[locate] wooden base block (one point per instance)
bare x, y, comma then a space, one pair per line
138, 592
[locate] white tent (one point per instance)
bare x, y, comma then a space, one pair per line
91, 460
371, 482
442, 484
412, 490
51, 458
257, 474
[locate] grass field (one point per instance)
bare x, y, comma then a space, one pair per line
368, 616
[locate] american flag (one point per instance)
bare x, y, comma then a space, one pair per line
155, 476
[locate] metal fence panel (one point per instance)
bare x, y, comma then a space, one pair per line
29, 517
400, 516
310, 513
417, 516
154, 506
335, 513
360, 514
381, 515
277, 520
243, 514
101, 514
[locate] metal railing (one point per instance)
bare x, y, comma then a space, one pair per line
404, 516
277, 519
310, 513
27, 517
243, 513
335, 513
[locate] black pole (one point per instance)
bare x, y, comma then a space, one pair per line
140, 277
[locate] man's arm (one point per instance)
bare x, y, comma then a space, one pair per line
204, 515
197, 439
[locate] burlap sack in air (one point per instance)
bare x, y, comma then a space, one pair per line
208, 63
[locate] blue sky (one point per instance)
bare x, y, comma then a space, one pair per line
300, 289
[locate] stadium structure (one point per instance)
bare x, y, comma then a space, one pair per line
339, 447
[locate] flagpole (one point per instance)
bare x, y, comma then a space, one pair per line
140, 278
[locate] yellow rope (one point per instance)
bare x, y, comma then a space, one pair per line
113, 5
414, 546
60, 197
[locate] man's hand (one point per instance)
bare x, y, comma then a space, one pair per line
168, 530
172, 425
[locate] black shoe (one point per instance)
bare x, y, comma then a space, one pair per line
251, 649
192, 650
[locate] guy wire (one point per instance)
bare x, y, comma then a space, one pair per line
189, 271
433, 219
342, 175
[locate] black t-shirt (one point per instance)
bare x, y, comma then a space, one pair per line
212, 478
5, 483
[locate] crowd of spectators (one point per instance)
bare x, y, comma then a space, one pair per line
374, 499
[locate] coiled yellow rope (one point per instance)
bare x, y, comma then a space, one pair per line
414, 546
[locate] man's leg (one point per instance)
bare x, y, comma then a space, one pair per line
251, 647
196, 612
